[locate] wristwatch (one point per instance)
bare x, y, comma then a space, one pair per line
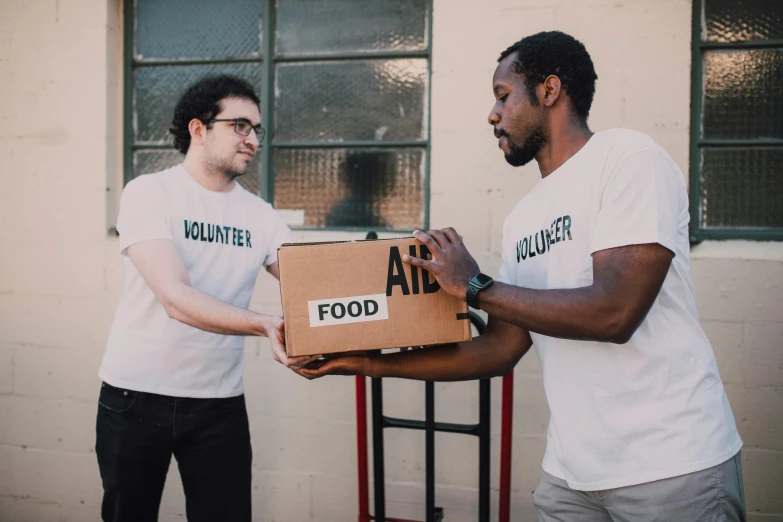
476, 284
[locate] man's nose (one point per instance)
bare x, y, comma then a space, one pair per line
252, 139
493, 118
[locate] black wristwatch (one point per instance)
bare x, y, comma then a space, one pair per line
476, 284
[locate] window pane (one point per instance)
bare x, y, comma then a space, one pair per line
742, 187
365, 100
158, 88
365, 188
197, 28
741, 20
150, 161
333, 26
743, 94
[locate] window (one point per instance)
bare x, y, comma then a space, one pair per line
737, 120
345, 99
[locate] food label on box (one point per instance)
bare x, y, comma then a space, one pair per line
344, 310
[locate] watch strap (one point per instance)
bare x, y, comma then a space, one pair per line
472, 295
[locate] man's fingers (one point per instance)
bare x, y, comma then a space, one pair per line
306, 373
313, 370
451, 234
417, 261
301, 361
440, 238
293, 362
278, 353
427, 240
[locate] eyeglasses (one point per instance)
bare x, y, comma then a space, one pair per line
243, 127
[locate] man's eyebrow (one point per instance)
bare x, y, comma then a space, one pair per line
246, 120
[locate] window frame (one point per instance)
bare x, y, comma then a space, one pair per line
267, 60
698, 50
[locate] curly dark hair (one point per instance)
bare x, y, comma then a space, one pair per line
556, 53
202, 101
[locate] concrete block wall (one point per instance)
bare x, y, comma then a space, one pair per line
739, 292
56, 291
60, 144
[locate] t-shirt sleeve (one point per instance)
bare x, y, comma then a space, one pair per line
142, 214
280, 234
640, 203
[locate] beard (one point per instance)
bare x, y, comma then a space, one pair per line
229, 167
519, 155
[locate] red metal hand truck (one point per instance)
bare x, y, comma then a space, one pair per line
482, 430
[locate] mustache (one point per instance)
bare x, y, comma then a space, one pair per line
499, 133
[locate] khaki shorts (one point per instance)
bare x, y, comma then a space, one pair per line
711, 495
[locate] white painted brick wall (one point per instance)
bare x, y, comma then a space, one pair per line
60, 144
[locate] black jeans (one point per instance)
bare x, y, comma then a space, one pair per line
136, 435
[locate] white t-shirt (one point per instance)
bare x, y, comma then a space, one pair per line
655, 407
224, 238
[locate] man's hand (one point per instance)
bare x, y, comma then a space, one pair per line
348, 364
451, 264
275, 330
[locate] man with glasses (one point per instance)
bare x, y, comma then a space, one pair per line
193, 241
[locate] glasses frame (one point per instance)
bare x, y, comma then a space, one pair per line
260, 131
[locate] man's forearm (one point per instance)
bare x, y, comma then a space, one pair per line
476, 359
205, 312
626, 281
578, 313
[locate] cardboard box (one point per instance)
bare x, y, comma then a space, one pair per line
359, 295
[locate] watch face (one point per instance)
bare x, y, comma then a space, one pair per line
483, 279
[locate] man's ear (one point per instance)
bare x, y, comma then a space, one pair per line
552, 88
197, 130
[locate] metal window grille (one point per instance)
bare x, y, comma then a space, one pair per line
736, 167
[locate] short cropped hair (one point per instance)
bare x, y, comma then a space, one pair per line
556, 53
